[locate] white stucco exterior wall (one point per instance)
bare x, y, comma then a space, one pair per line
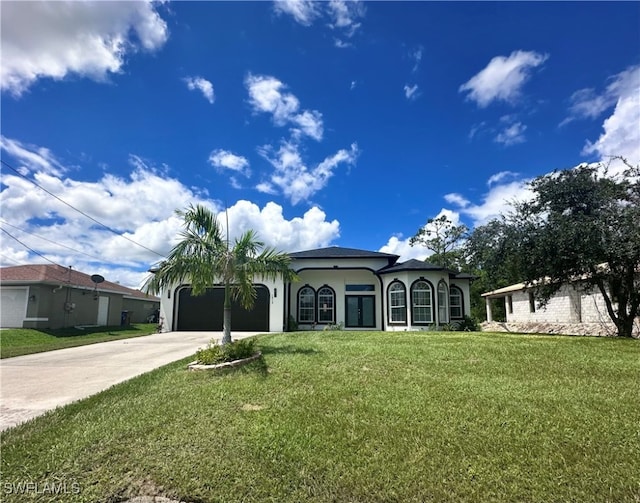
169, 307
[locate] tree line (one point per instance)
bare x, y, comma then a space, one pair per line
580, 224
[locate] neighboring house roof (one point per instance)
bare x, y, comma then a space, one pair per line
58, 275
507, 289
339, 252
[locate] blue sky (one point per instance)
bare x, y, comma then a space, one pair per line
314, 123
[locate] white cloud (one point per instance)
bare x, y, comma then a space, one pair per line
90, 39
494, 203
31, 157
621, 136
266, 188
399, 246
457, 199
292, 176
341, 16
511, 134
411, 92
268, 95
502, 79
416, 56
353, 85
588, 104
303, 11
153, 223
309, 123
311, 230
477, 129
498, 177
345, 15
202, 85
228, 160
341, 44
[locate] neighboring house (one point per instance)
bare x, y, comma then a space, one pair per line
362, 290
51, 296
571, 311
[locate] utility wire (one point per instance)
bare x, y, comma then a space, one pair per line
110, 229
55, 243
28, 248
33, 267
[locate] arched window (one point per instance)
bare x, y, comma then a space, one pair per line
455, 303
306, 305
326, 305
397, 303
421, 303
443, 303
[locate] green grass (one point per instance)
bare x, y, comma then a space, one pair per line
24, 341
354, 417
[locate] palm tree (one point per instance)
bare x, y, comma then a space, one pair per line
203, 258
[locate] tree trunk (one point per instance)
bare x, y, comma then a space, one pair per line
622, 320
226, 320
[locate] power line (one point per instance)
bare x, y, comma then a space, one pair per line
79, 211
28, 248
55, 243
33, 267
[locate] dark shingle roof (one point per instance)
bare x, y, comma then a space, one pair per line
412, 265
419, 265
339, 252
58, 275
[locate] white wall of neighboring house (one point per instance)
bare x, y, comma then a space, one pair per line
570, 310
568, 305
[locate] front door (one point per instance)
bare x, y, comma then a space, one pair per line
360, 311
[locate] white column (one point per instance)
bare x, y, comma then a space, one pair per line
489, 313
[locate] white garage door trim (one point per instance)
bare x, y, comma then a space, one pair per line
13, 307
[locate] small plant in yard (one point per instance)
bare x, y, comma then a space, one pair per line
237, 350
292, 325
467, 324
337, 326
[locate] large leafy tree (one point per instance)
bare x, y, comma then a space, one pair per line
491, 252
581, 224
204, 257
443, 238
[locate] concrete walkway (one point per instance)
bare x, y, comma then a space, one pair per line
30, 385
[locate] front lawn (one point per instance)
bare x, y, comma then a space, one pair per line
353, 417
25, 341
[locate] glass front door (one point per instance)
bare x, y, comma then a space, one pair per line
360, 311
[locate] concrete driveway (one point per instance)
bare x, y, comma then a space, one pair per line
30, 385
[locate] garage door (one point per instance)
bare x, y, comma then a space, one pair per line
205, 312
14, 307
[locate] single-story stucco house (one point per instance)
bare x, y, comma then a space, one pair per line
358, 289
572, 310
52, 296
